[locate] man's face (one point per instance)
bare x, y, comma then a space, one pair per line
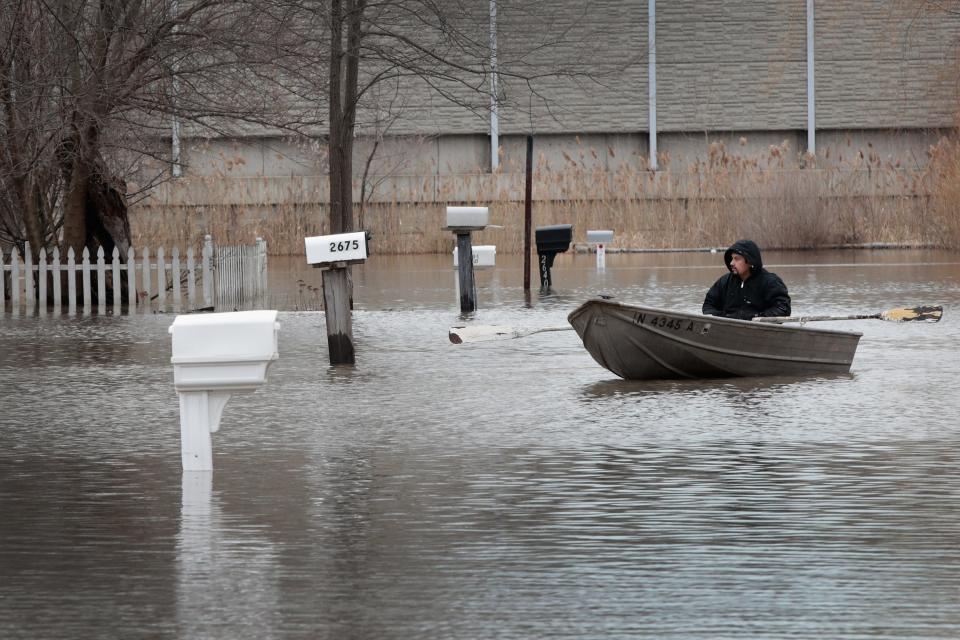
739, 266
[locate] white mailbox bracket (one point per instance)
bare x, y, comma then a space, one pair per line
214, 356
337, 250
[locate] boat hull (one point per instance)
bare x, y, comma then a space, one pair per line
645, 343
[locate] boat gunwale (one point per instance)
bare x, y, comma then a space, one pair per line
743, 324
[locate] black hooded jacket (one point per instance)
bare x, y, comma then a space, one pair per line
762, 294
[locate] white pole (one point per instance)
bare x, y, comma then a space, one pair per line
652, 77
494, 117
176, 169
811, 119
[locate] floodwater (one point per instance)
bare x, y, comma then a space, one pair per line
508, 489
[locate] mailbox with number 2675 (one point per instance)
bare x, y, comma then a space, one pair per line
344, 248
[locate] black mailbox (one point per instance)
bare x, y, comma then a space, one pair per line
551, 241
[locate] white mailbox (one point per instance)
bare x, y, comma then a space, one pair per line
467, 218
347, 248
484, 255
599, 236
214, 356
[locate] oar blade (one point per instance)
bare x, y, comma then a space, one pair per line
913, 314
480, 333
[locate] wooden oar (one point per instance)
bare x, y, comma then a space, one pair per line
483, 333
902, 314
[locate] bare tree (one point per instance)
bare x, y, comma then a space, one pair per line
28, 138
348, 49
89, 86
87, 83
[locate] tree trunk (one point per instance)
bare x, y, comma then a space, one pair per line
75, 206
335, 142
95, 204
26, 195
344, 73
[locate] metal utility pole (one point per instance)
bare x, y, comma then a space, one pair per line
811, 115
494, 116
652, 78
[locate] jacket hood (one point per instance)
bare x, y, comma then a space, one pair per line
749, 250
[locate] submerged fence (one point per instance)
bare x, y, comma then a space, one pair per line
225, 276
241, 273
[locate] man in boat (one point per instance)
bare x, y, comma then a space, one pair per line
748, 290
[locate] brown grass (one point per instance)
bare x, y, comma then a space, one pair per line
778, 199
943, 184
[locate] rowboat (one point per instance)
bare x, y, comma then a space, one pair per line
644, 343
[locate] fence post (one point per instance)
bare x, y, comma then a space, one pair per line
101, 283
42, 281
191, 279
175, 278
14, 281
85, 267
72, 281
146, 279
206, 263
219, 284
131, 281
57, 281
161, 280
117, 282
28, 293
261, 266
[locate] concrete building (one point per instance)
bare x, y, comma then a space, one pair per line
762, 79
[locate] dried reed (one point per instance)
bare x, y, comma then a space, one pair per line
778, 198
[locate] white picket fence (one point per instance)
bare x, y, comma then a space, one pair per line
241, 273
173, 281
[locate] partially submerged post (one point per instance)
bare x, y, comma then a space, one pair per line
484, 257
461, 221
551, 240
527, 217
215, 356
600, 238
332, 254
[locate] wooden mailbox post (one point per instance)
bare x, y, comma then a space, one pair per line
461, 221
333, 254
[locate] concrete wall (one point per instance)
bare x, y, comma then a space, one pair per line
406, 158
731, 79
885, 65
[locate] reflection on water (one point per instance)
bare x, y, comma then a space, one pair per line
738, 388
213, 570
506, 489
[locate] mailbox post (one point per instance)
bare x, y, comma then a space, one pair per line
484, 257
215, 356
333, 254
551, 240
600, 238
461, 221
